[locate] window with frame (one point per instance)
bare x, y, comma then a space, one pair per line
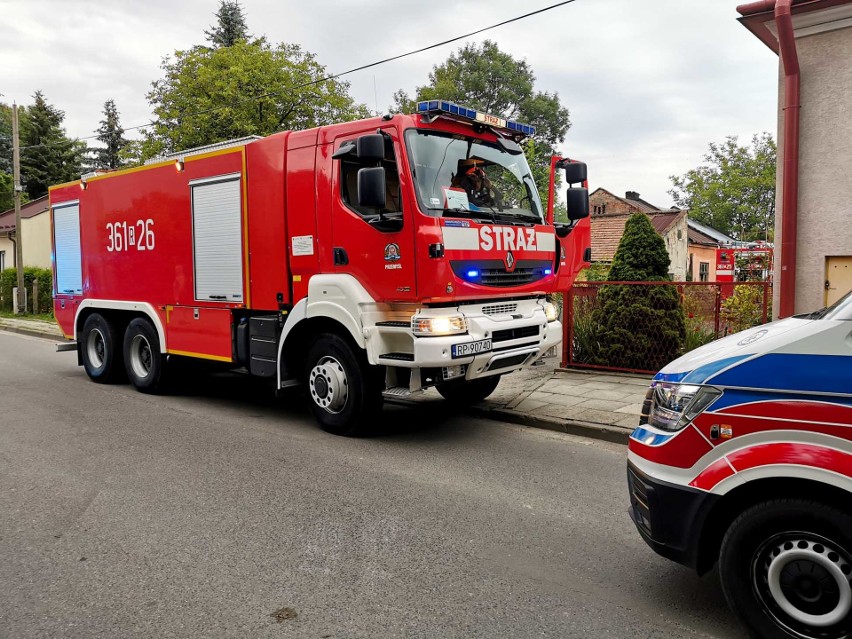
349, 168
703, 271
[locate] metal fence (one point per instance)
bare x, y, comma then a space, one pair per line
636, 326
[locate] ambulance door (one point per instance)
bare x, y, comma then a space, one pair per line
374, 245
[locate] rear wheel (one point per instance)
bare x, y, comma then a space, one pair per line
786, 567
469, 392
345, 393
100, 349
142, 357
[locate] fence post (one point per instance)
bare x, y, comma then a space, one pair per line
35, 296
718, 310
568, 346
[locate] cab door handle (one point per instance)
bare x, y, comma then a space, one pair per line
340, 257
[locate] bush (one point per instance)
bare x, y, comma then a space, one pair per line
640, 327
9, 279
596, 272
744, 308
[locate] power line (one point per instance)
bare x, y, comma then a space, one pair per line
341, 74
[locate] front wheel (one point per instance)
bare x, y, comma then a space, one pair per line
786, 566
345, 391
142, 357
469, 392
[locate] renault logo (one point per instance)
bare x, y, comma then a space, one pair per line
510, 261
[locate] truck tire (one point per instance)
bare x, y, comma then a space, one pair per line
785, 567
142, 357
469, 392
344, 391
101, 354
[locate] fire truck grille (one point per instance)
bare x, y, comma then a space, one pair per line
495, 273
499, 309
515, 333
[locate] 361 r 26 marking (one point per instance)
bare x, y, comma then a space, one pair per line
122, 235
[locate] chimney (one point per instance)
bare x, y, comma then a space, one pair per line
631, 195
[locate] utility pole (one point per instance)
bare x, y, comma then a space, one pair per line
16, 176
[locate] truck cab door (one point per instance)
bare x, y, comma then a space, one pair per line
365, 246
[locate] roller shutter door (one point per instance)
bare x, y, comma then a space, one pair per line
217, 240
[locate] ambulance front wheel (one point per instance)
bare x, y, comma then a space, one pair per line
469, 392
786, 566
344, 391
142, 357
101, 350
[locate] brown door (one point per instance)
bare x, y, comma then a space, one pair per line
838, 278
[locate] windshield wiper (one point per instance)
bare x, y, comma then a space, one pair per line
491, 217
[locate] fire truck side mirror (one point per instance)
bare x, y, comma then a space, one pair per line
578, 204
371, 187
575, 173
370, 148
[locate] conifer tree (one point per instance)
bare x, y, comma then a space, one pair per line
640, 327
48, 156
111, 135
231, 25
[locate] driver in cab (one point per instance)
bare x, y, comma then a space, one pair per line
471, 177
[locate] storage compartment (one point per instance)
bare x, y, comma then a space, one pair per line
263, 345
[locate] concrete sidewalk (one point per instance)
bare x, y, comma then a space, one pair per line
32, 327
588, 403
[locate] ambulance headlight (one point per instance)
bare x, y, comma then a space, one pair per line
437, 326
673, 406
551, 311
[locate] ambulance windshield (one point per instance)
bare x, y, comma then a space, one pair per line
468, 177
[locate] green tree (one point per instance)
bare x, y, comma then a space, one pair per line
230, 25
640, 327
48, 156
111, 135
249, 88
734, 189
485, 78
6, 193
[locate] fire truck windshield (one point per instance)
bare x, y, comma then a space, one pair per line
468, 177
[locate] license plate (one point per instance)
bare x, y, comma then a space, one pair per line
471, 348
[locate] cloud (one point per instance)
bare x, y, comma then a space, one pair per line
649, 84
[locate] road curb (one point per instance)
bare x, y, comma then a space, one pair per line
32, 332
591, 430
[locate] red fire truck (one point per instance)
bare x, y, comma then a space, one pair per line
360, 260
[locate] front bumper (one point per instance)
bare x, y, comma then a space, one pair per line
519, 332
669, 517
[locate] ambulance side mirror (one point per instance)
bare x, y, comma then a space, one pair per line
578, 204
371, 187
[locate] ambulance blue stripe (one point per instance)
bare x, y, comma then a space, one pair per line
650, 437
702, 373
791, 372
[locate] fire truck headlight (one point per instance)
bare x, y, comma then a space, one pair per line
436, 326
551, 311
673, 406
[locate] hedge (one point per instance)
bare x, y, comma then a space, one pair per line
9, 279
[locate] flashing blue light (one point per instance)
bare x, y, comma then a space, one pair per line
442, 106
548, 271
472, 274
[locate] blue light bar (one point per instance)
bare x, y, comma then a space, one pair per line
442, 106
472, 274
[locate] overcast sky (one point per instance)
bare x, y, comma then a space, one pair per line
649, 83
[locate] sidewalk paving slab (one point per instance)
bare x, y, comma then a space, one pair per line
32, 327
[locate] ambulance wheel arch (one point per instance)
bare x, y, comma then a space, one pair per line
120, 312
820, 487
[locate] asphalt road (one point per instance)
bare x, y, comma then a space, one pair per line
206, 512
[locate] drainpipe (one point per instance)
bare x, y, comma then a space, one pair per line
790, 160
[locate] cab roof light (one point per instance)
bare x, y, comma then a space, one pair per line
442, 107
